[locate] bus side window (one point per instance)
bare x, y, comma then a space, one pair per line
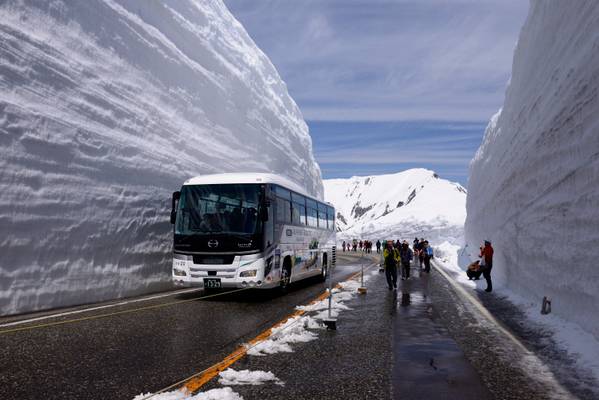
283, 211
331, 218
269, 228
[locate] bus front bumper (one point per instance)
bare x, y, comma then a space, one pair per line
225, 283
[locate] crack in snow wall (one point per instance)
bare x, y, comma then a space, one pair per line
534, 182
106, 107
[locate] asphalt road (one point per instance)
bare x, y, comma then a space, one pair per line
139, 347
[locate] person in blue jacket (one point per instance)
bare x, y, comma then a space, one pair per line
428, 254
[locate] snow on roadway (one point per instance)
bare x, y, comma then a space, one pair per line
295, 330
225, 393
581, 347
232, 377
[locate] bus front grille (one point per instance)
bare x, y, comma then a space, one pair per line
213, 259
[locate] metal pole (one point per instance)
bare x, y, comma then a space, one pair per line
362, 265
330, 295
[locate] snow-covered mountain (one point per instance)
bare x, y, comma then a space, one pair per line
534, 182
106, 107
416, 202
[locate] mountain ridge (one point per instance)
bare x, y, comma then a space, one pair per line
412, 202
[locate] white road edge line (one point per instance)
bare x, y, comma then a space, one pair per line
487, 314
122, 303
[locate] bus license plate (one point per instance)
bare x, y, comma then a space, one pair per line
212, 283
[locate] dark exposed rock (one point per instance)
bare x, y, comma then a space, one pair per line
411, 196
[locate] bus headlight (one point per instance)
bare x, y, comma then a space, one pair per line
179, 272
248, 274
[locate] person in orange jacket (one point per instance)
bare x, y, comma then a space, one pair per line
486, 253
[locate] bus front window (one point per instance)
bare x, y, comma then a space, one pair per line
219, 209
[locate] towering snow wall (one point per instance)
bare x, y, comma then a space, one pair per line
534, 182
416, 202
106, 107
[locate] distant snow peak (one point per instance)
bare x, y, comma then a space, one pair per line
413, 202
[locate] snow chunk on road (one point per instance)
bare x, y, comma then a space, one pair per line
292, 331
215, 394
247, 377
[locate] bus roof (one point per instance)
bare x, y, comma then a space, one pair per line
248, 177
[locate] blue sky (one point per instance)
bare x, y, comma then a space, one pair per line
388, 85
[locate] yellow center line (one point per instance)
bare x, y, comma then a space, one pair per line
112, 314
195, 382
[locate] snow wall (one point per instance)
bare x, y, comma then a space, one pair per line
106, 107
534, 182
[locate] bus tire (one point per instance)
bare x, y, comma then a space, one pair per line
325, 269
285, 276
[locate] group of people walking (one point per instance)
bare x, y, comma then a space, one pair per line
362, 245
399, 255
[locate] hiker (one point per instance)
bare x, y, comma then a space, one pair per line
474, 270
406, 256
486, 255
428, 254
378, 246
391, 257
360, 245
343, 246
415, 245
421, 251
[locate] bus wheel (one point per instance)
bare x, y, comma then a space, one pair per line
325, 268
285, 276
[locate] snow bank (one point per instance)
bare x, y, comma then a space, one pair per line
106, 107
534, 182
404, 205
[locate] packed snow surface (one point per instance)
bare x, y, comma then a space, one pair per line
106, 107
416, 202
534, 182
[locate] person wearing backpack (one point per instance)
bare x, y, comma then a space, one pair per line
486, 255
391, 257
428, 254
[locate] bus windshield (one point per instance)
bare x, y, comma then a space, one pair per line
219, 209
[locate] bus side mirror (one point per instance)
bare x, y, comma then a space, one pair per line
264, 211
174, 203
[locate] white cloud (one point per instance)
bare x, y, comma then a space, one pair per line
389, 60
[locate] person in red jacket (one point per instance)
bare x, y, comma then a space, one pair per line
486, 252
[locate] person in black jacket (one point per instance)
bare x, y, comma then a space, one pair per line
405, 255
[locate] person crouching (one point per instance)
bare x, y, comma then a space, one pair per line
474, 271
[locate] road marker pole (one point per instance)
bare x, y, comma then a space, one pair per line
330, 322
362, 289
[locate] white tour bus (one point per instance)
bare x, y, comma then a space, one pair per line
249, 230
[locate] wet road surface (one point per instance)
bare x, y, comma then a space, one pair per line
428, 363
122, 355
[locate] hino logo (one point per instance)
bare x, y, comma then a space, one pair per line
212, 243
